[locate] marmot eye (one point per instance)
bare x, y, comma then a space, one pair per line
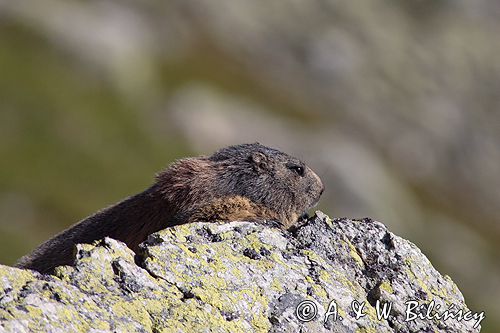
297, 169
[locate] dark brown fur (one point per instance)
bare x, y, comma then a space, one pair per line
244, 182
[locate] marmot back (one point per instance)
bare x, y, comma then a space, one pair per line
244, 182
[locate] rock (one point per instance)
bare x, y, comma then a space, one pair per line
239, 277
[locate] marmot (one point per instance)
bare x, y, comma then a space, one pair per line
248, 182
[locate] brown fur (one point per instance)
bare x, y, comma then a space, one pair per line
245, 182
235, 208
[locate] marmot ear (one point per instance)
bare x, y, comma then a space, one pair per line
259, 161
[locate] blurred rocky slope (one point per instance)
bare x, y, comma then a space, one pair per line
395, 104
237, 277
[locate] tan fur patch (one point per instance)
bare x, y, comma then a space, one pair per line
235, 208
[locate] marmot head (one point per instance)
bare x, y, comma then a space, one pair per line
276, 182
268, 177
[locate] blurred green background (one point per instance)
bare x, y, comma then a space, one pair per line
395, 104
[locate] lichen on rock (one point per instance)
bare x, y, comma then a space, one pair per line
236, 277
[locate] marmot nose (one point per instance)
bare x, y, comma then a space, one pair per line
322, 190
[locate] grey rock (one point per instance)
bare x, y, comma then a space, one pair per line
249, 278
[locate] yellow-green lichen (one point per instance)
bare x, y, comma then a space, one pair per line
354, 253
133, 310
191, 316
320, 291
413, 278
180, 233
328, 220
277, 286
254, 242
347, 283
386, 286
14, 278
33, 311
